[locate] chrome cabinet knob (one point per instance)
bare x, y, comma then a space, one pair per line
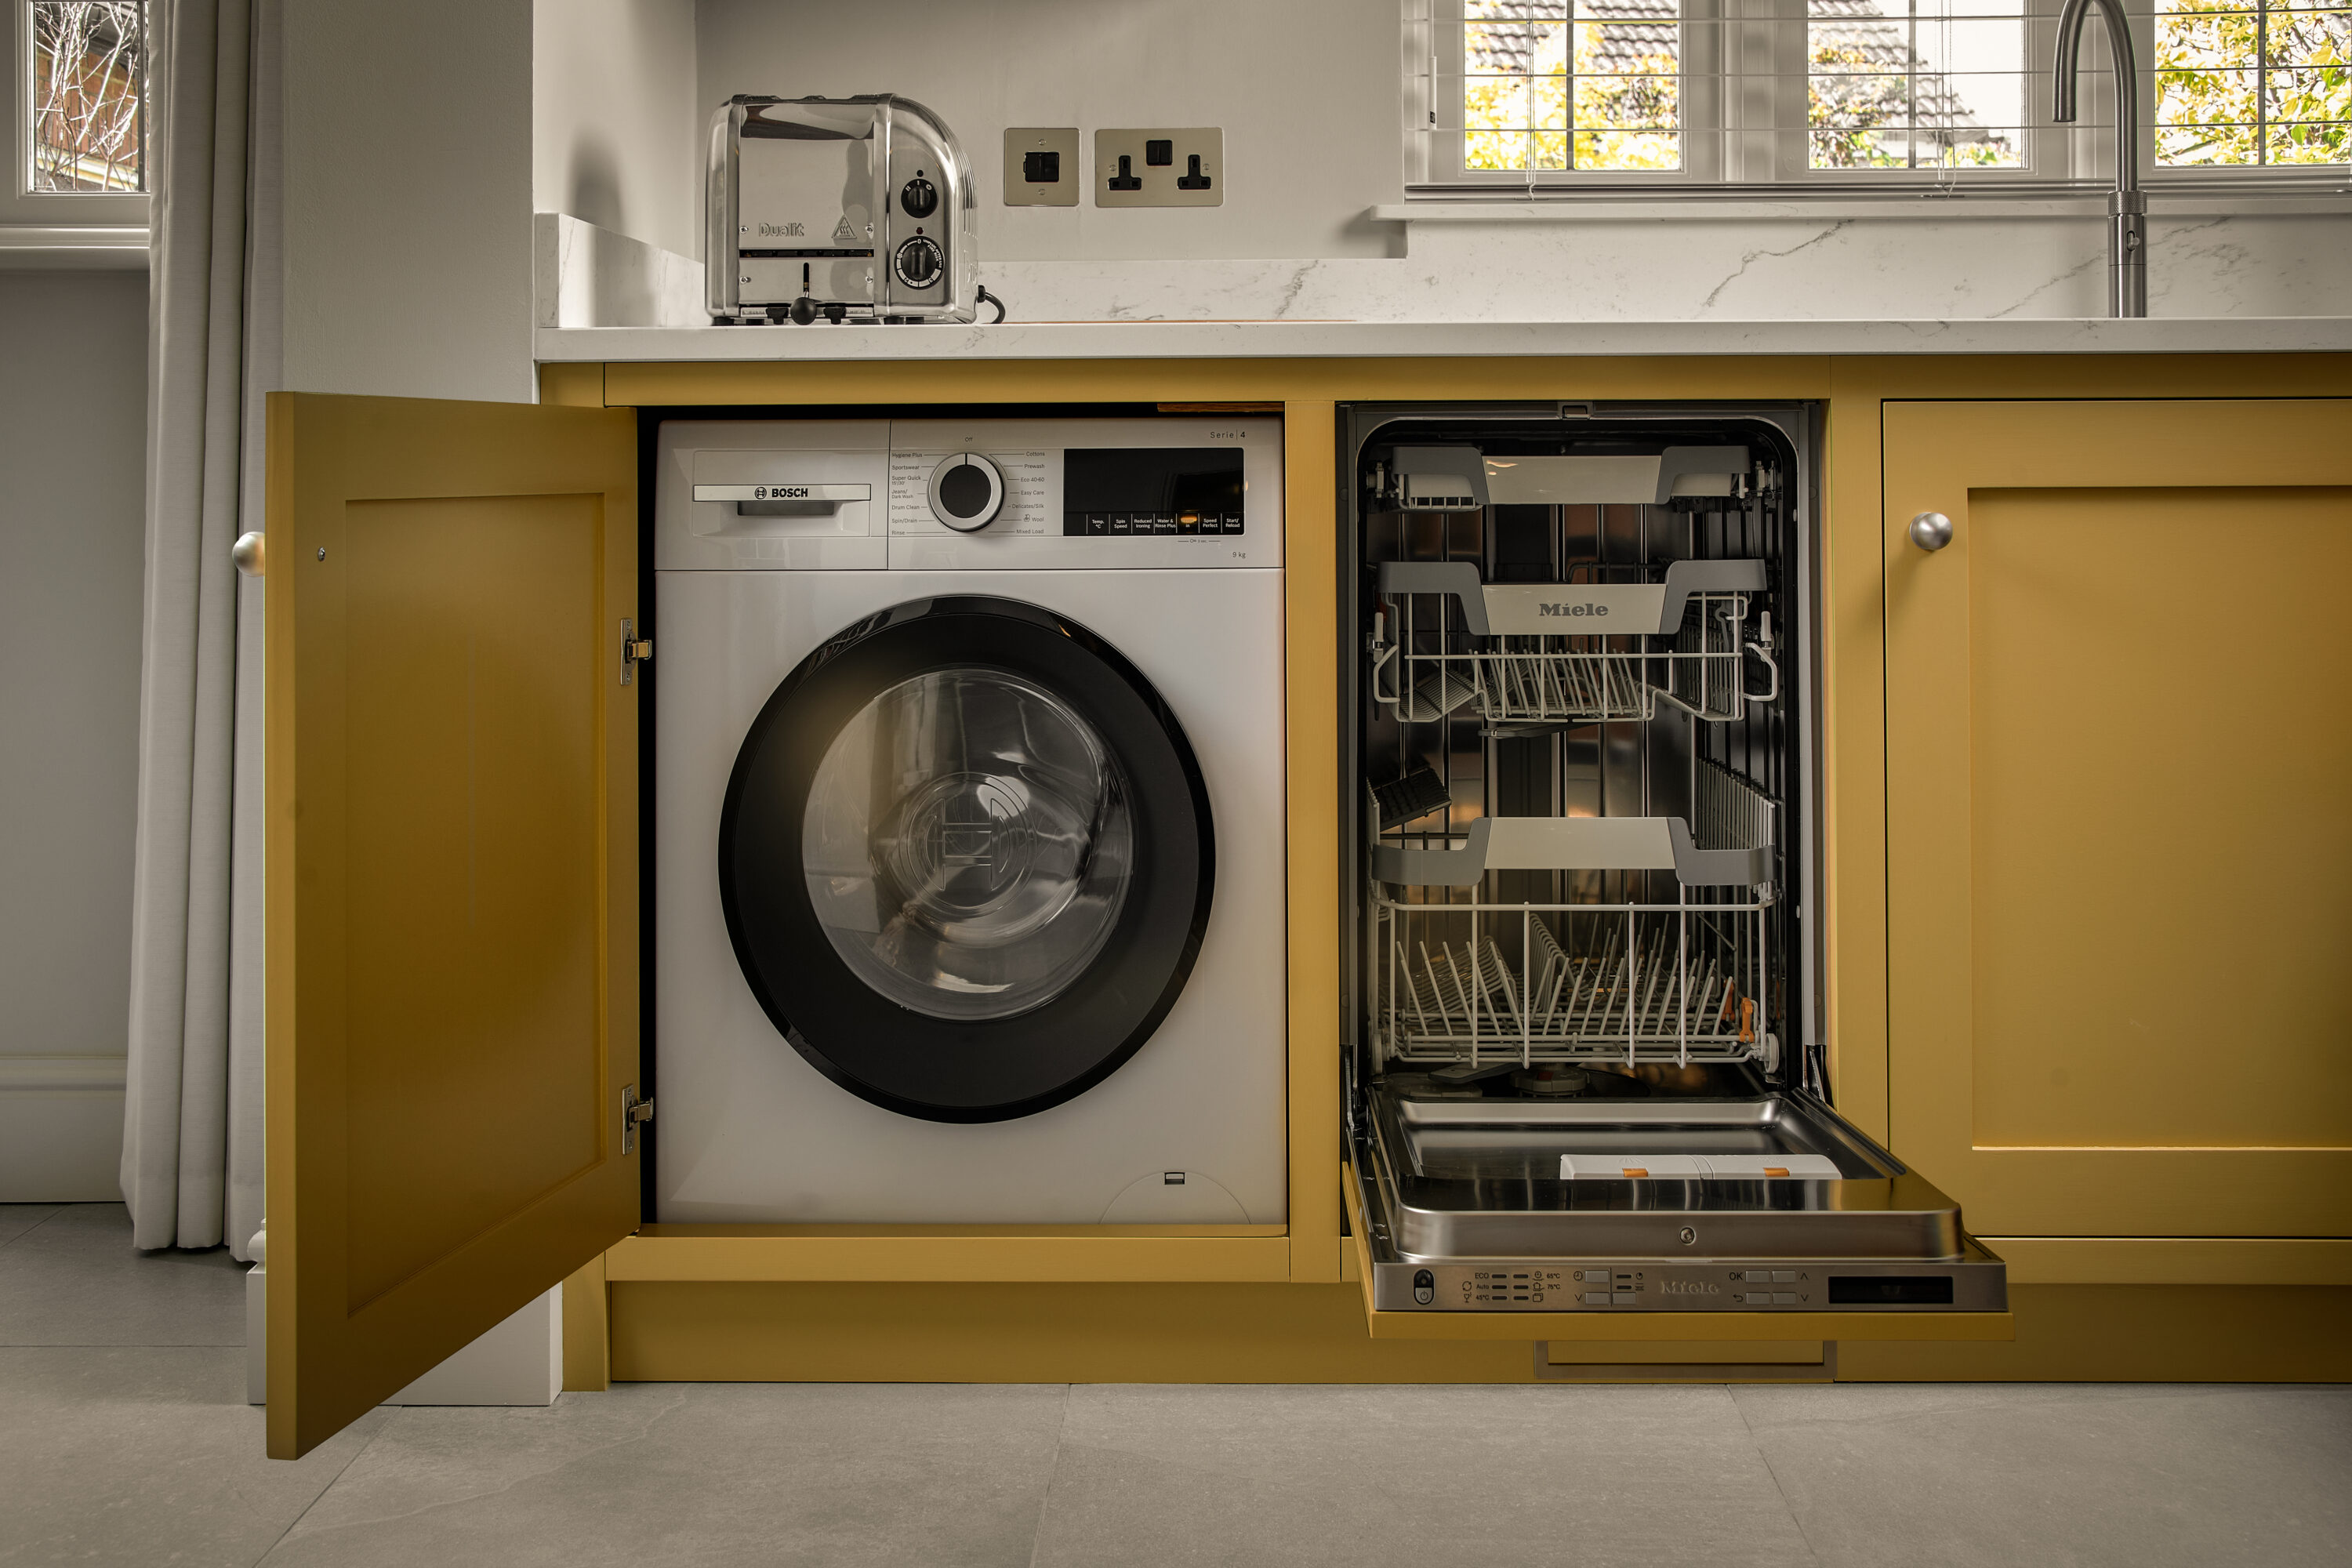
247, 554
1931, 530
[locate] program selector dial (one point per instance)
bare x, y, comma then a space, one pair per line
967, 492
918, 262
920, 197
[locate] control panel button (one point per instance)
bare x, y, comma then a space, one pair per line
1784, 1277
1621, 1298
1596, 1298
1425, 1286
967, 492
1784, 1298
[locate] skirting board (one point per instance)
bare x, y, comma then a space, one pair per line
60, 1130
744, 1331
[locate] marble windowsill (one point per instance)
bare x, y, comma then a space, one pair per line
1905, 207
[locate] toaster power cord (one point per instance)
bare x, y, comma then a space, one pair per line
981, 296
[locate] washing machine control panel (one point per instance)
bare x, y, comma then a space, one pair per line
970, 494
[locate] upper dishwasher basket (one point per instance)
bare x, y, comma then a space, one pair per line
1529, 655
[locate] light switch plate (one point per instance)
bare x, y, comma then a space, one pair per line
1056, 144
1169, 185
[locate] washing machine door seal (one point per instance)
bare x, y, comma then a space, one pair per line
966, 859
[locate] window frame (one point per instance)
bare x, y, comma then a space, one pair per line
1741, 140
24, 208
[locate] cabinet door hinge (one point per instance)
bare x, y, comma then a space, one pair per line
634, 1112
634, 650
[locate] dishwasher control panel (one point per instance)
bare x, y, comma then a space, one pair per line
1652, 1285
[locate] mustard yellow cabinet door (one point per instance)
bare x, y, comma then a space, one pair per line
2119, 780
452, 992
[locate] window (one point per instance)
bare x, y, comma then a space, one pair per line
86, 104
1915, 84
1561, 93
2252, 81
1572, 84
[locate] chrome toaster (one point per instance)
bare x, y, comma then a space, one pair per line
841, 208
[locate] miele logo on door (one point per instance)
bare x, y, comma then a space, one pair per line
1572, 609
783, 230
1690, 1287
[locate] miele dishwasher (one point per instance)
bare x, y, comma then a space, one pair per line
1586, 1057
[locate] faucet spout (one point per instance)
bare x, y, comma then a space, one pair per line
2126, 207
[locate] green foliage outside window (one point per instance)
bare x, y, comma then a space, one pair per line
2251, 81
1620, 107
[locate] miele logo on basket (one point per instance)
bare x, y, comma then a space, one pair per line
783, 230
1572, 609
1690, 1287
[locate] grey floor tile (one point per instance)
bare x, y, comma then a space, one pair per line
16, 1219
76, 1279
703, 1473
2148, 1475
1412, 1476
140, 1454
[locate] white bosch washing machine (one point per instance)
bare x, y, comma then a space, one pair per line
968, 822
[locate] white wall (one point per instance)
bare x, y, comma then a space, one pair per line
616, 124
1306, 91
73, 423
406, 259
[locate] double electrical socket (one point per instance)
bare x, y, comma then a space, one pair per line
1148, 168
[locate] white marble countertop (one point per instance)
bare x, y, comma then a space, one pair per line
1308, 339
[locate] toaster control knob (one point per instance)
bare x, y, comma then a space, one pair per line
917, 262
920, 197
967, 492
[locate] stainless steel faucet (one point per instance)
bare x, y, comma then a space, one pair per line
2126, 207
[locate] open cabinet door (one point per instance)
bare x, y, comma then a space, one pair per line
452, 994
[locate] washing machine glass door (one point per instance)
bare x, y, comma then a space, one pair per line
966, 859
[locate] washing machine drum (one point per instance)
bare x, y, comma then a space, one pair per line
966, 860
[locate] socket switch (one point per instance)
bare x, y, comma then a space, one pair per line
1158, 168
1041, 167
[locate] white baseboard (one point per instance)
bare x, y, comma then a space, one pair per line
61, 1130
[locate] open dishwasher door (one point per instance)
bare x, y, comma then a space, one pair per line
1586, 1097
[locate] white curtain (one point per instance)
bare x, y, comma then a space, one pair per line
192, 1135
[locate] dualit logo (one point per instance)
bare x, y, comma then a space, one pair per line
1572, 609
783, 230
1690, 1287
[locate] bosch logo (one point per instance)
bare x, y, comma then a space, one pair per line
783, 230
779, 492
1572, 609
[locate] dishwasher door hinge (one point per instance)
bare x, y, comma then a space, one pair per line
634, 650
634, 1112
